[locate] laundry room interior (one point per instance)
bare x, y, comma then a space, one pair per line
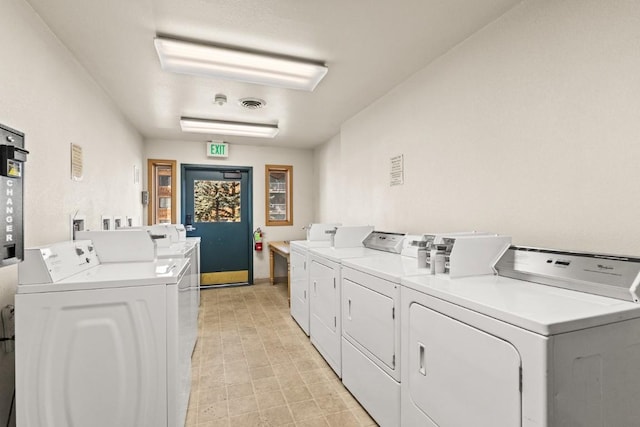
515, 119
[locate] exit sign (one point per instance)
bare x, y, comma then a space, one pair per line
217, 149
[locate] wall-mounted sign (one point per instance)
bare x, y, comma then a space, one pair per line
76, 162
397, 170
217, 149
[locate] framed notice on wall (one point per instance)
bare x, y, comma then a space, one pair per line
76, 162
397, 170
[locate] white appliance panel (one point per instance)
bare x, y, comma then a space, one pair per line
459, 375
75, 384
369, 320
299, 289
324, 308
375, 390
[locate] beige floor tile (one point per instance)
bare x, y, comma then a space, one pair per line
211, 395
314, 376
362, 416
242, 405
322, 389
296, 393
278, 416
290, 379
282, 368
251, 419
240, 390
313, 422
331, 403
261, 372
306, 409
222, 422
212, 411
270, 399
266, 384
342, 419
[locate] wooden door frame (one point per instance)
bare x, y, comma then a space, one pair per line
249, 170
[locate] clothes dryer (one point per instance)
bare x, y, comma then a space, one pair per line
318, 235
371, 321
100, 342
325, 293
503, 351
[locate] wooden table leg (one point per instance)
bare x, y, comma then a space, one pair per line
289, 281
271, 261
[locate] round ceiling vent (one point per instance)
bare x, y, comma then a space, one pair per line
252, 103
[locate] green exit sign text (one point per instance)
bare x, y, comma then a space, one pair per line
217, 149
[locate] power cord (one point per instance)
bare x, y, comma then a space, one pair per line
13, 400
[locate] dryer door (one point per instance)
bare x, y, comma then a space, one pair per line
460, 375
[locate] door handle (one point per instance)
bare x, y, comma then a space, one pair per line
421, 365
189, 228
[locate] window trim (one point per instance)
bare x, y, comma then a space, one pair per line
152, 184
288, 170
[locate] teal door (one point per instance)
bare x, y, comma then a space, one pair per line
217, 207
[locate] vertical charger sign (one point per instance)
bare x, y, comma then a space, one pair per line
12, 159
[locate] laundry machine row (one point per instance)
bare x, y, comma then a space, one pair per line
552, 340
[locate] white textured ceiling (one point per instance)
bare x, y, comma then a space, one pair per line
370, 46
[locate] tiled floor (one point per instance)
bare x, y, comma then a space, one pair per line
253, 366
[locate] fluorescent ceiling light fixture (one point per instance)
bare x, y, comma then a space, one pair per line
223, 127
214, 61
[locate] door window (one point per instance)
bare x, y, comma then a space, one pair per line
216, 201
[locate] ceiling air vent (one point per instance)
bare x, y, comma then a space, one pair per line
252, 103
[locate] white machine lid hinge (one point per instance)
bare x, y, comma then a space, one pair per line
393, 361
335, 322
393, 313
334, 283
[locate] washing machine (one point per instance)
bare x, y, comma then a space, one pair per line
99, 343
317, 237
552, 340
371, 318
325, 286
147, 243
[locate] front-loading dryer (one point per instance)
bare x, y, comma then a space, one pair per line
325, 286
318, 236
371, 318
496, 351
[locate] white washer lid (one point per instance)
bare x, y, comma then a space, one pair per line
338, 254
304, 245
175, 250
116, 275
545, 310
392, 267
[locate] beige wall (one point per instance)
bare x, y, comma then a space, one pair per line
327, 181
529, 128
256, 157
47, 95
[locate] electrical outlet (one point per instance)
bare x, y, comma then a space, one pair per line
7, 315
